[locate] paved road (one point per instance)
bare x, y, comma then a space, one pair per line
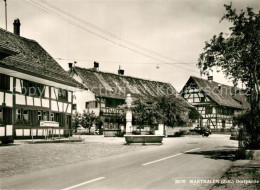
160, 167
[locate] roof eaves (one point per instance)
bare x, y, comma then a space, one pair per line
73, 84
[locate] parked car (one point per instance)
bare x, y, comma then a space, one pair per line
202, 131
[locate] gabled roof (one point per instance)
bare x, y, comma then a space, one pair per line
118, 86
29, 57
222, 94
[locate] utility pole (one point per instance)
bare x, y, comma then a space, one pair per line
5, 15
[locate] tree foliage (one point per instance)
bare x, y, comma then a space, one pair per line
167, 110
237, 55
171, 111
76, 117
87, 119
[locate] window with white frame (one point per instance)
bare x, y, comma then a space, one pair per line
18, 114
25, 115
52, 116
39, 115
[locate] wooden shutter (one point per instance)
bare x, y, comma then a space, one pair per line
7, 116
63, 119
7, 82
33, 117
4, 82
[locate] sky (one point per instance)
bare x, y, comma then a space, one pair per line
155, 40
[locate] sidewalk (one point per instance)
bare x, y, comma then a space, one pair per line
255, 162
54, 140
244, 174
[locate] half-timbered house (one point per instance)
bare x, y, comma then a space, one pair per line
33, 88
217, 103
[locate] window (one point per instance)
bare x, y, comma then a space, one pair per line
52, 116
23, 116
92, 104
45, 115
208, 110
202, 99
32, 89
39, 115
4, 82
219, 111
113, 103
231, 111
60, 118
62, 95
74, 106
18, 114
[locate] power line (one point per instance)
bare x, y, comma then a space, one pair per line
106, 61
109, 33
46, 10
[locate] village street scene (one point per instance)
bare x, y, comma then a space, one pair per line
117, 94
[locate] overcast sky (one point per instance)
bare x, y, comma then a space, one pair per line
138, 35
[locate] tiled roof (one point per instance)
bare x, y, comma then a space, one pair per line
223, 95
118, 86
31, 58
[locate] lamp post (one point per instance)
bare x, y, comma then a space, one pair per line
128, 101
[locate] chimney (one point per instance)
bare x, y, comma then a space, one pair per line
210, 78
17, 25
219, 86
120, 71
70, 65
96, 65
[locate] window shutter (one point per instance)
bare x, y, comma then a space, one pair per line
63, 119
33, 117
7, 116
4, 82
7, 82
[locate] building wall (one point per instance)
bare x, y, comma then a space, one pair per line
212, 114
83, 96
104, 107
27, 110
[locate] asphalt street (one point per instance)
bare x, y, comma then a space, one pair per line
177, 164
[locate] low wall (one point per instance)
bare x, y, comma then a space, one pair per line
111, 132
169, 131
144, 138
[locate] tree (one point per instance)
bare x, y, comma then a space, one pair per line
140, 113
168, 110
76, 119
171, 111
88, 119
237, 54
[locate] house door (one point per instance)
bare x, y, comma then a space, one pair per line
223, 124
68, 122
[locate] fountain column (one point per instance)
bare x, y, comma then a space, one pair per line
129, 101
